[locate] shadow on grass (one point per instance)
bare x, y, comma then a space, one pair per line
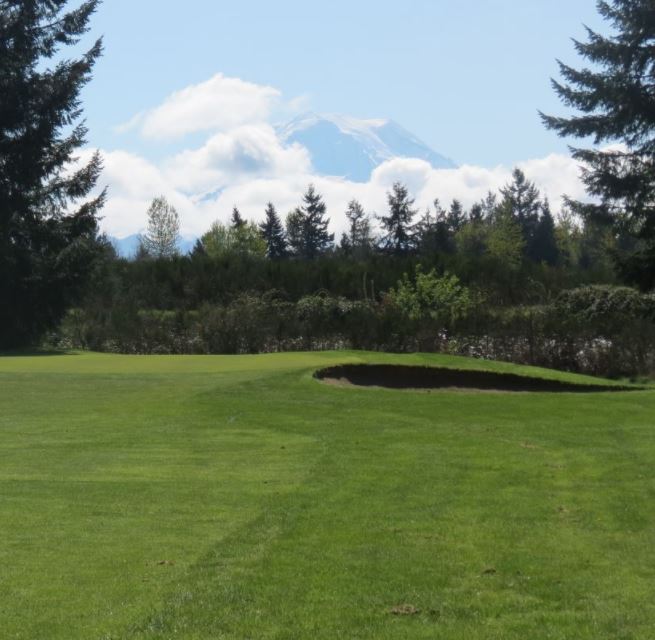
35, 353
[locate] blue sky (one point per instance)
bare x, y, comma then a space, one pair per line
466, 76
184, 102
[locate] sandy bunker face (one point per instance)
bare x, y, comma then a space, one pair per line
416, 377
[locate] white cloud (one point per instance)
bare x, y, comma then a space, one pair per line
244, 153
412, 172
555, 175
244, 163
218, 104
134, 182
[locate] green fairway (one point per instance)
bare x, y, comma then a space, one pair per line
238, 497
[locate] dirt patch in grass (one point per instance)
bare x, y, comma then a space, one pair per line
404, 610
416, 377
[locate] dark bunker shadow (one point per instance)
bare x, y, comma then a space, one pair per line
417, 377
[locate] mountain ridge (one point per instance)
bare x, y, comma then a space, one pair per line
353, 148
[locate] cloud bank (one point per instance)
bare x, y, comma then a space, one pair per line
220, 103
244, 163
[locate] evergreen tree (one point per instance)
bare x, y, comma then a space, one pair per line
456, 216
273, 233
295, 233
615, 102
48, 228
344, 245
521, 200
237, 220
358, 241
488, 205
440, 214
198, 249
505, 241
544, 243
443, 240
504, 258
476, 214
432, 234
471, 240
424, 232
399, 237
163, 231
316, 239
567, 236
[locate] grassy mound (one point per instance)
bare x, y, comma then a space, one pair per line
235, 497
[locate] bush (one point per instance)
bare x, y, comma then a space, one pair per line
598, 330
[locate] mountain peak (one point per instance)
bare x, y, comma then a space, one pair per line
343, 122
352, 148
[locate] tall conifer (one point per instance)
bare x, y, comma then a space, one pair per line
273, 233
48, 223
397, 225
316, 237
615, 102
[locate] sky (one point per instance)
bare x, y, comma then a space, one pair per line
467, 77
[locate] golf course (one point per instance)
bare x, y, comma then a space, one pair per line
207, 497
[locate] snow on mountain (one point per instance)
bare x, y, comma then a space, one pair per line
351, 148
339, 146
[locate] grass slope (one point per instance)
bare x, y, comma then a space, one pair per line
237, 497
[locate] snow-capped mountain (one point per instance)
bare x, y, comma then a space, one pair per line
339, 146
351, 148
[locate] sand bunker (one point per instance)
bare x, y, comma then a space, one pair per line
409, 377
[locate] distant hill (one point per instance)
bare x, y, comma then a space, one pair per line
351, 148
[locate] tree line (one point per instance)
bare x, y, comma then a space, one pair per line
517, 225
500, 270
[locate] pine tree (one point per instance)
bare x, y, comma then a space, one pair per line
615, 102
237, 220
488, 205
424, 231
476, 214
48, 228
163, 232
544, 243
273, 233
456, 216
198, 250
295, 233
399, 238
431, 233
522, 200
505, 241
344, 245
316, 239
567, 236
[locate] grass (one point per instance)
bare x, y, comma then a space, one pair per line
237, 497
